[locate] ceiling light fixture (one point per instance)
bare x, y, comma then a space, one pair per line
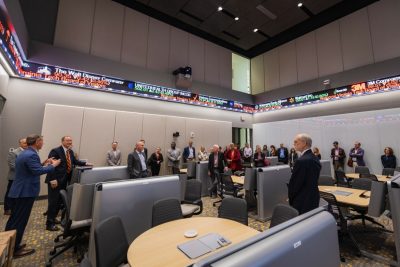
255, 30
300, 4
220, 8
236, 18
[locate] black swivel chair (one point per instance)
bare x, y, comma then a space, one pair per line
388, 171
228, 188
341, 179
111, 243
234, 209
362, 183
326, 180
192, 203
282, 213
362, 169
369, 176
75, 233
166, 210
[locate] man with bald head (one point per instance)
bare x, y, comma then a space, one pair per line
137, 166
303, 185
216, 166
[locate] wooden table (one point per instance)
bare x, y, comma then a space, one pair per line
158, 245
353, 200
381, 178
238, 179
183, 170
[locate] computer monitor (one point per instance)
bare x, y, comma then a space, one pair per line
307, 240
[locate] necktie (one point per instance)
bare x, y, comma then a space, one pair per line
69, 166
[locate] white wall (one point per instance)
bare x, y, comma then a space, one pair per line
374, 129
110, 30
364, 37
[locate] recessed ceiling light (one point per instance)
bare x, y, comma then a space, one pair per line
236, 18
220, 8
300, 4
255, 30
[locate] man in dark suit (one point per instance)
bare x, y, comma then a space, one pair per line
137, 166
59, 179
283, 154
303, 185
357, 155
216, 166
338, 155
144, 149
189, 152
25, 189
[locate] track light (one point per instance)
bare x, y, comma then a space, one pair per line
255, 30
236, 18
300, 4
220, 8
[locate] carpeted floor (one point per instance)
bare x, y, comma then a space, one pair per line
36, 236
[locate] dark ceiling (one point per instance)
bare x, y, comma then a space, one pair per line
277, 21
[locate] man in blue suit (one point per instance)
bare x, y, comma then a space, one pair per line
25, 189
303, 185
189, 152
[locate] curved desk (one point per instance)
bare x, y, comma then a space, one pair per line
381, 178
352, 200
158, 245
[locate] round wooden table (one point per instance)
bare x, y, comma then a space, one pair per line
158, 245
381, 178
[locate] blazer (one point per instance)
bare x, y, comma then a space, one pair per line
221, 162
152, 161
303, 185
114, 160
259, 162
186, 153
12, 156
388, 161
341, 156
174, 156
359, 156
285, 154
235, 163
28, 169
60, 172
134, 165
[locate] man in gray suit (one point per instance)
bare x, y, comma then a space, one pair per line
114, 155
12, 156
137, 166
174, 157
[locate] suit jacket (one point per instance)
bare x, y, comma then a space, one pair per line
341, 156
388, 161
152, 162
186, 153
60, 172
12, 156
134, 165
114, 160
235, 163
221, 162
174, 156
359, 156
303, 185
285, 153
259, 162
28, 169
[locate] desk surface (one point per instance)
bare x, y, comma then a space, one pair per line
381, 178
183, 170
351, 200
238, 179
158, 245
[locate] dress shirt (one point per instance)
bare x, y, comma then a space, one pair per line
142, 160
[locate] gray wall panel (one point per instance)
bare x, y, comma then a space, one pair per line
257, 74
158, 46
179, 49
271, 70
211, 66
196, 57
306, 52
287, 64
225, 68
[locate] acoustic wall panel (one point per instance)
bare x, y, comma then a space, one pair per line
128, 130
195, 127
224, 133
135, 35
179, 49
271, 69
158, 45
211, 71
225, 68
196, 57
97, 135
385, 42
154, 131
209, 134
356, 40
173, 125
257, 74
287, 64
74, 32
329, 49
306, 52
107, 30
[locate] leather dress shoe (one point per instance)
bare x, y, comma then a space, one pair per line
22, 246
56, 221
52, 228
23, 252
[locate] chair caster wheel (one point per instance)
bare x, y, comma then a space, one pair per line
48, 264
52, 252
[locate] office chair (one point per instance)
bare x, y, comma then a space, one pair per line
166, 210
228, 188
341, 179
234, 209
341, 220
369, 176
191, 169
362, 183
111, 243
326, 180
282, 213
388, 171
192, 203
362, 169
74, 233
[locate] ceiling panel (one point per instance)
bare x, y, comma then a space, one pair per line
170, 7
317, 6
286, 21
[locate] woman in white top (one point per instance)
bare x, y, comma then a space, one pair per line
202, 155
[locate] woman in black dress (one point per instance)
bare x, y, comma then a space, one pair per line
155, 161
388, 159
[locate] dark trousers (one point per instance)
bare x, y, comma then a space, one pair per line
54, 202
19, 217
155, 170
8, 201
214, 182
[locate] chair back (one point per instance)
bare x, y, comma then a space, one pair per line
388, 171
111, 243
191, 169
193, 190
325, 180
333, 207
377, 202
362, 169
166, 210
65, 219
234, 209
341, 178
228, 186
282, 213
369, 176
362, 183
